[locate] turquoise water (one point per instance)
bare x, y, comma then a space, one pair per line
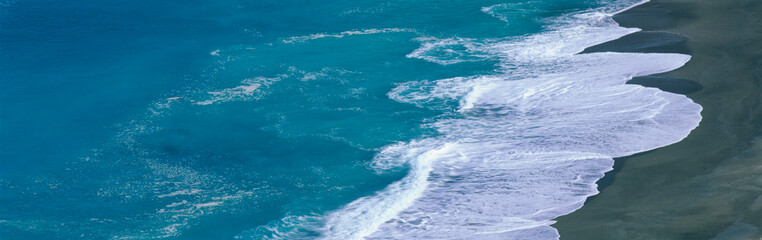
303, 119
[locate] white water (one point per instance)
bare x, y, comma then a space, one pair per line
528, 143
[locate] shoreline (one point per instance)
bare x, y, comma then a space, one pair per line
703, 186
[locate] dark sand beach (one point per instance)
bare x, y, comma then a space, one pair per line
708, 186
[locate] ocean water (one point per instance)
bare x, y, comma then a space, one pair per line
316, 120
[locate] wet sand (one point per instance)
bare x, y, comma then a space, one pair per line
708, 186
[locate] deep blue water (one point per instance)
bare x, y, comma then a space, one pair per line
233, 119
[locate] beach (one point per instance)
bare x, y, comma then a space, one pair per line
379, 119
706, 186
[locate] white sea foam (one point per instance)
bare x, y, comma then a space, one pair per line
450, 51
529, 142
288, 227
180, 192
343, 34
250, 89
